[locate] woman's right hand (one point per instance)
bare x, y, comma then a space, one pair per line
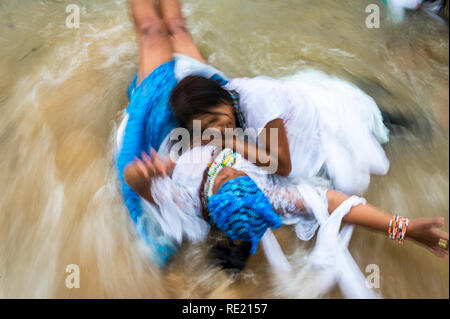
426, 231
139, 173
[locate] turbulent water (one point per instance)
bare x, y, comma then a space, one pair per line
62, 92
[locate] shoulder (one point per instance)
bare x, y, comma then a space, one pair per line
261, 99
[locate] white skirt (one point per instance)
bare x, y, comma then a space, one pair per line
351, 131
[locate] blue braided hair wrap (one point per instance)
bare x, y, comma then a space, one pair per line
242, 211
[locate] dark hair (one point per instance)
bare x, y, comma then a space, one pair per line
196, 95
230, 256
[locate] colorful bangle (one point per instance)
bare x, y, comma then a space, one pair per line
397, 228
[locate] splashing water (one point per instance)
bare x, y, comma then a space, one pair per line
62, 92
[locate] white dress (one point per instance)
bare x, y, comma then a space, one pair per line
301, 205
330, 123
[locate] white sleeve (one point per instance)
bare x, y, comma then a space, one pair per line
330, 255
287, 201
179, 211
262, 100
185, 66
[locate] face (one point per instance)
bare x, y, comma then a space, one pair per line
226, 174
221, 117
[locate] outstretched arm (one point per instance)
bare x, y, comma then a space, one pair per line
424, 230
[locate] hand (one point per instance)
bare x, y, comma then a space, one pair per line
139, 172
426, 231
159, 167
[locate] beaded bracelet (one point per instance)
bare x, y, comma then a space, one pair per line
397, 228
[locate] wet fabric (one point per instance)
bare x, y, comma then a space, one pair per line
330, 123
304, 206
149, 120
147, 123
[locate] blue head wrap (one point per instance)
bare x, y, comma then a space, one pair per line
242, 211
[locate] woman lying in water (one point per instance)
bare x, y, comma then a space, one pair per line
150, 119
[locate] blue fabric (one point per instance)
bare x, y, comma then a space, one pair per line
218, 79
150, 121
242, 211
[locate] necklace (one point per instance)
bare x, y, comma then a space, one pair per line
226, 158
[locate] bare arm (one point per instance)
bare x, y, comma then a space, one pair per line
425, 230
278, 147
272, 154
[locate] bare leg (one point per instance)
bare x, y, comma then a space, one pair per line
154, 43
180, 37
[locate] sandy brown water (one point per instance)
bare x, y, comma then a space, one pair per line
62, 93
